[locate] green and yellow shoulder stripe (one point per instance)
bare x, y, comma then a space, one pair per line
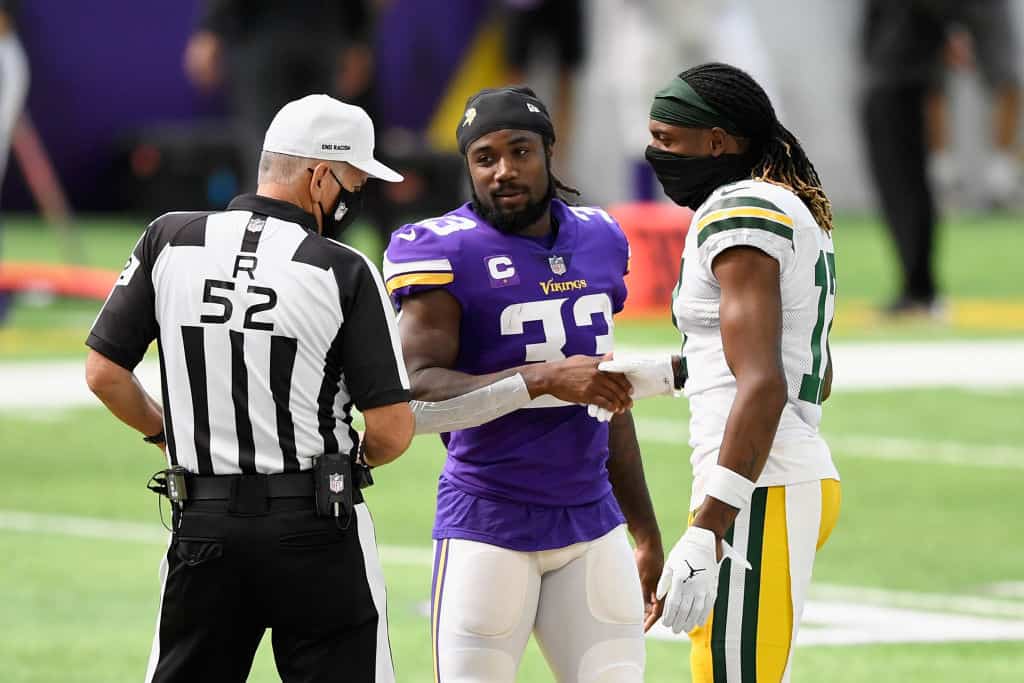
743, 212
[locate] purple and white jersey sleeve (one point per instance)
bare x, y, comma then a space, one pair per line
618, 251
420, 256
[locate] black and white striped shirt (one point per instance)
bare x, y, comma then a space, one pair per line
268, 335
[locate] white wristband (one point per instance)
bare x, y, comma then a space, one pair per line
729, 486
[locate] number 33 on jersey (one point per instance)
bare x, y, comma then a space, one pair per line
523, 299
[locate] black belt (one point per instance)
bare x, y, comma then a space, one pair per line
220, 487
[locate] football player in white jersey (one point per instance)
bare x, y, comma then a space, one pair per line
754, 304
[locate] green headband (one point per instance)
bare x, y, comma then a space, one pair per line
678, 104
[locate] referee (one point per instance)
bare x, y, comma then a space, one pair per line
268, 335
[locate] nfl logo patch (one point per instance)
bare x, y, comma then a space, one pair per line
557, 264
336, 483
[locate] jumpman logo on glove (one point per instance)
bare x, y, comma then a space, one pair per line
690, 595
693, 572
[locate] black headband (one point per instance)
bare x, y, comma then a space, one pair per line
511, 108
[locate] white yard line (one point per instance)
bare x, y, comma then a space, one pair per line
137, 532
870, 366
834, 614
82, 527
939, 602
858, 367
832, 622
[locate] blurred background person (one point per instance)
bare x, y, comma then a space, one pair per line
987, 43
903, 45
548, 28
14, 77
266, 53
641, 38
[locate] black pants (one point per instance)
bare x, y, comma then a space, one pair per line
895, 131
268, 70
230, 577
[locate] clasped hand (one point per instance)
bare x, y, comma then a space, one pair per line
648, 376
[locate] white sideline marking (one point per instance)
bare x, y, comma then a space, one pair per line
858, 367
827, 622
1007, 589
893, 364
668, 431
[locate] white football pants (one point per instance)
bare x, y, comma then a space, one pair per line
583, 602
13, 89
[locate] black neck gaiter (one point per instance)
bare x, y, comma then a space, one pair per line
688, 181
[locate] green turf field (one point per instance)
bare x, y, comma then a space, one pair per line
928, 547
978, 265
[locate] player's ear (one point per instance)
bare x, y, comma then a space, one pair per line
717, 139
317, 178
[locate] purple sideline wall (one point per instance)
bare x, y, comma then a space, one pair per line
99, 69
102, 69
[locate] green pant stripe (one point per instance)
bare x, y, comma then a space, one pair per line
720, 617
752, 587
810, 388
741, 222
739, 201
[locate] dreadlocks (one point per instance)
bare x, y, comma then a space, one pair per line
560, 189
780, 158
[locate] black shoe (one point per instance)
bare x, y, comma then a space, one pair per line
906, 307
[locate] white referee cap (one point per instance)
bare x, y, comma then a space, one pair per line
321, 127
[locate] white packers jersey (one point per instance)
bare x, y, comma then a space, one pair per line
773, 219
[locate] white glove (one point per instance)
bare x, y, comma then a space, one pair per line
690, 579
650, 376
598, 413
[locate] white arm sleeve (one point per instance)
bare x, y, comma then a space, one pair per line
473, 409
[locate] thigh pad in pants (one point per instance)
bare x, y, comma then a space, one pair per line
589, 620
484, 601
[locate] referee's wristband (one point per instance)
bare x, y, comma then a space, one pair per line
156, 438
729, 486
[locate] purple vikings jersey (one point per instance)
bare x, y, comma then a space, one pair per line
534, 479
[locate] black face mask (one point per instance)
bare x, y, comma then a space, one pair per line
688, 181
344, 213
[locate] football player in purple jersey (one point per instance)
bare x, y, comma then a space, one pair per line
506, 311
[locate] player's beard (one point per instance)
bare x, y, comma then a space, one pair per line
514, 222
